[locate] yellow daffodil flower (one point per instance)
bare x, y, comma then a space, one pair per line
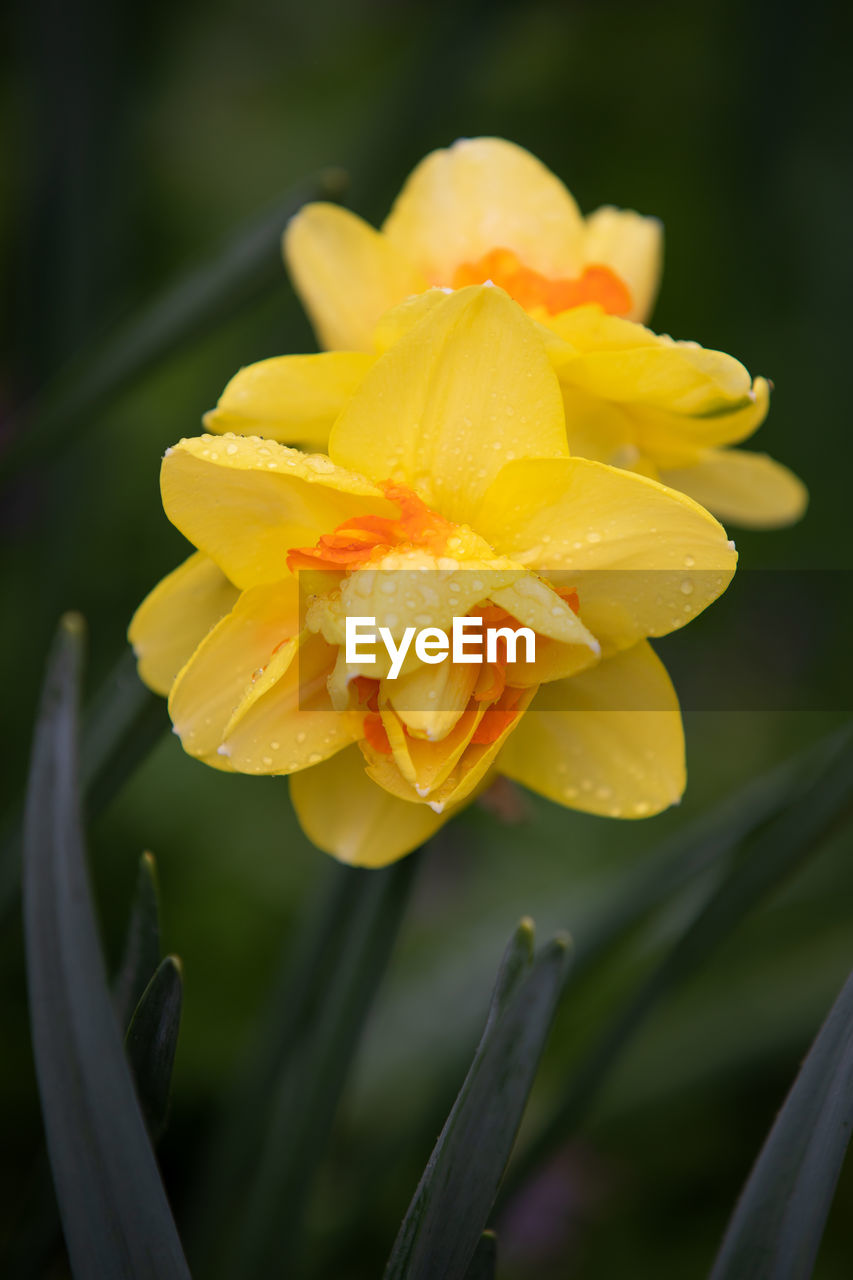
485, 209
448, 491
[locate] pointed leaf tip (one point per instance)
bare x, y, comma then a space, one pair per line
441, 1233
152, 1040
73, 624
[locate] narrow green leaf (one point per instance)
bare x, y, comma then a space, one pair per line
141, 943
151, 1041
485, 1260
771, 853
778, 1223
515, 964
238, 272
249, 1205
123, 722
121, 726
115, 1214
445, 1220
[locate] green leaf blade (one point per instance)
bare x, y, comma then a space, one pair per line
778, 1222
235, 274
115, 1214
152, 1040
783, 841
446, 1218
141, 956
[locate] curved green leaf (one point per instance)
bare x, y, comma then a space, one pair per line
817, 806
235, 274
115, 1214
442, 1229
151, 1042
141, 956
777, 1225
123, 723
485, 1260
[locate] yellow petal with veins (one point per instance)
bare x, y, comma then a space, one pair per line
624, 362
750, 489
482, 194
247, 502
443, 409
365, 826
174, 618
347, 274
397, 322
648, 439
218, 675
609, 741
535, 604
286, 723
632, 246
294, 399
643, 559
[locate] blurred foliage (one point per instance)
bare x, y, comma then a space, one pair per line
137, 138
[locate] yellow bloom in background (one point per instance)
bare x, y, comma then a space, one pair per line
486, 210
448, 490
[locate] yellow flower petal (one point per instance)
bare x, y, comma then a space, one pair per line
294, 399
609, 741
632, 246
423, 764
346, 273
534, 604
749, 489
643, 559
648, 439
468, 772
247, 501
482, 194
443, 409
217, 676
346, 814
174, 618
623, 362
666, 436
431, 700
289, 724
400, 320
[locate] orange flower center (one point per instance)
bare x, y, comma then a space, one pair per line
531, 289
355, 541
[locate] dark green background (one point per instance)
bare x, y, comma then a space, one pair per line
137, 136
